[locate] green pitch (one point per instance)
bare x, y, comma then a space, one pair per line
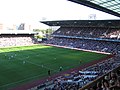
19, 65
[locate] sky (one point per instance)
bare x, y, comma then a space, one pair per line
33, 11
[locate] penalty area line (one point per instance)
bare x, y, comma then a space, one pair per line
43, 66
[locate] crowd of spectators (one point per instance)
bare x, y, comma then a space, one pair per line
6, 41
91, 38
96, 45
110, 81
91, 32
102, 76
76, 80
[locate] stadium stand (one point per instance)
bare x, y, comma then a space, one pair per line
97, 37
88, 78
100, 37
103, 46
16, 38
96, 32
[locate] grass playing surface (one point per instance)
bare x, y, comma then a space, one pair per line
19, 65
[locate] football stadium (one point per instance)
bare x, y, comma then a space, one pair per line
80, 55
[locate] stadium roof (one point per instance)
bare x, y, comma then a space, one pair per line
86, 23
108, 6
16, 32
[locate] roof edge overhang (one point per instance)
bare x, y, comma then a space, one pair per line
59, 22
16, 32
95, 6
84, 23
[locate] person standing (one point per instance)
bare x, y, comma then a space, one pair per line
60, 68
49, 73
